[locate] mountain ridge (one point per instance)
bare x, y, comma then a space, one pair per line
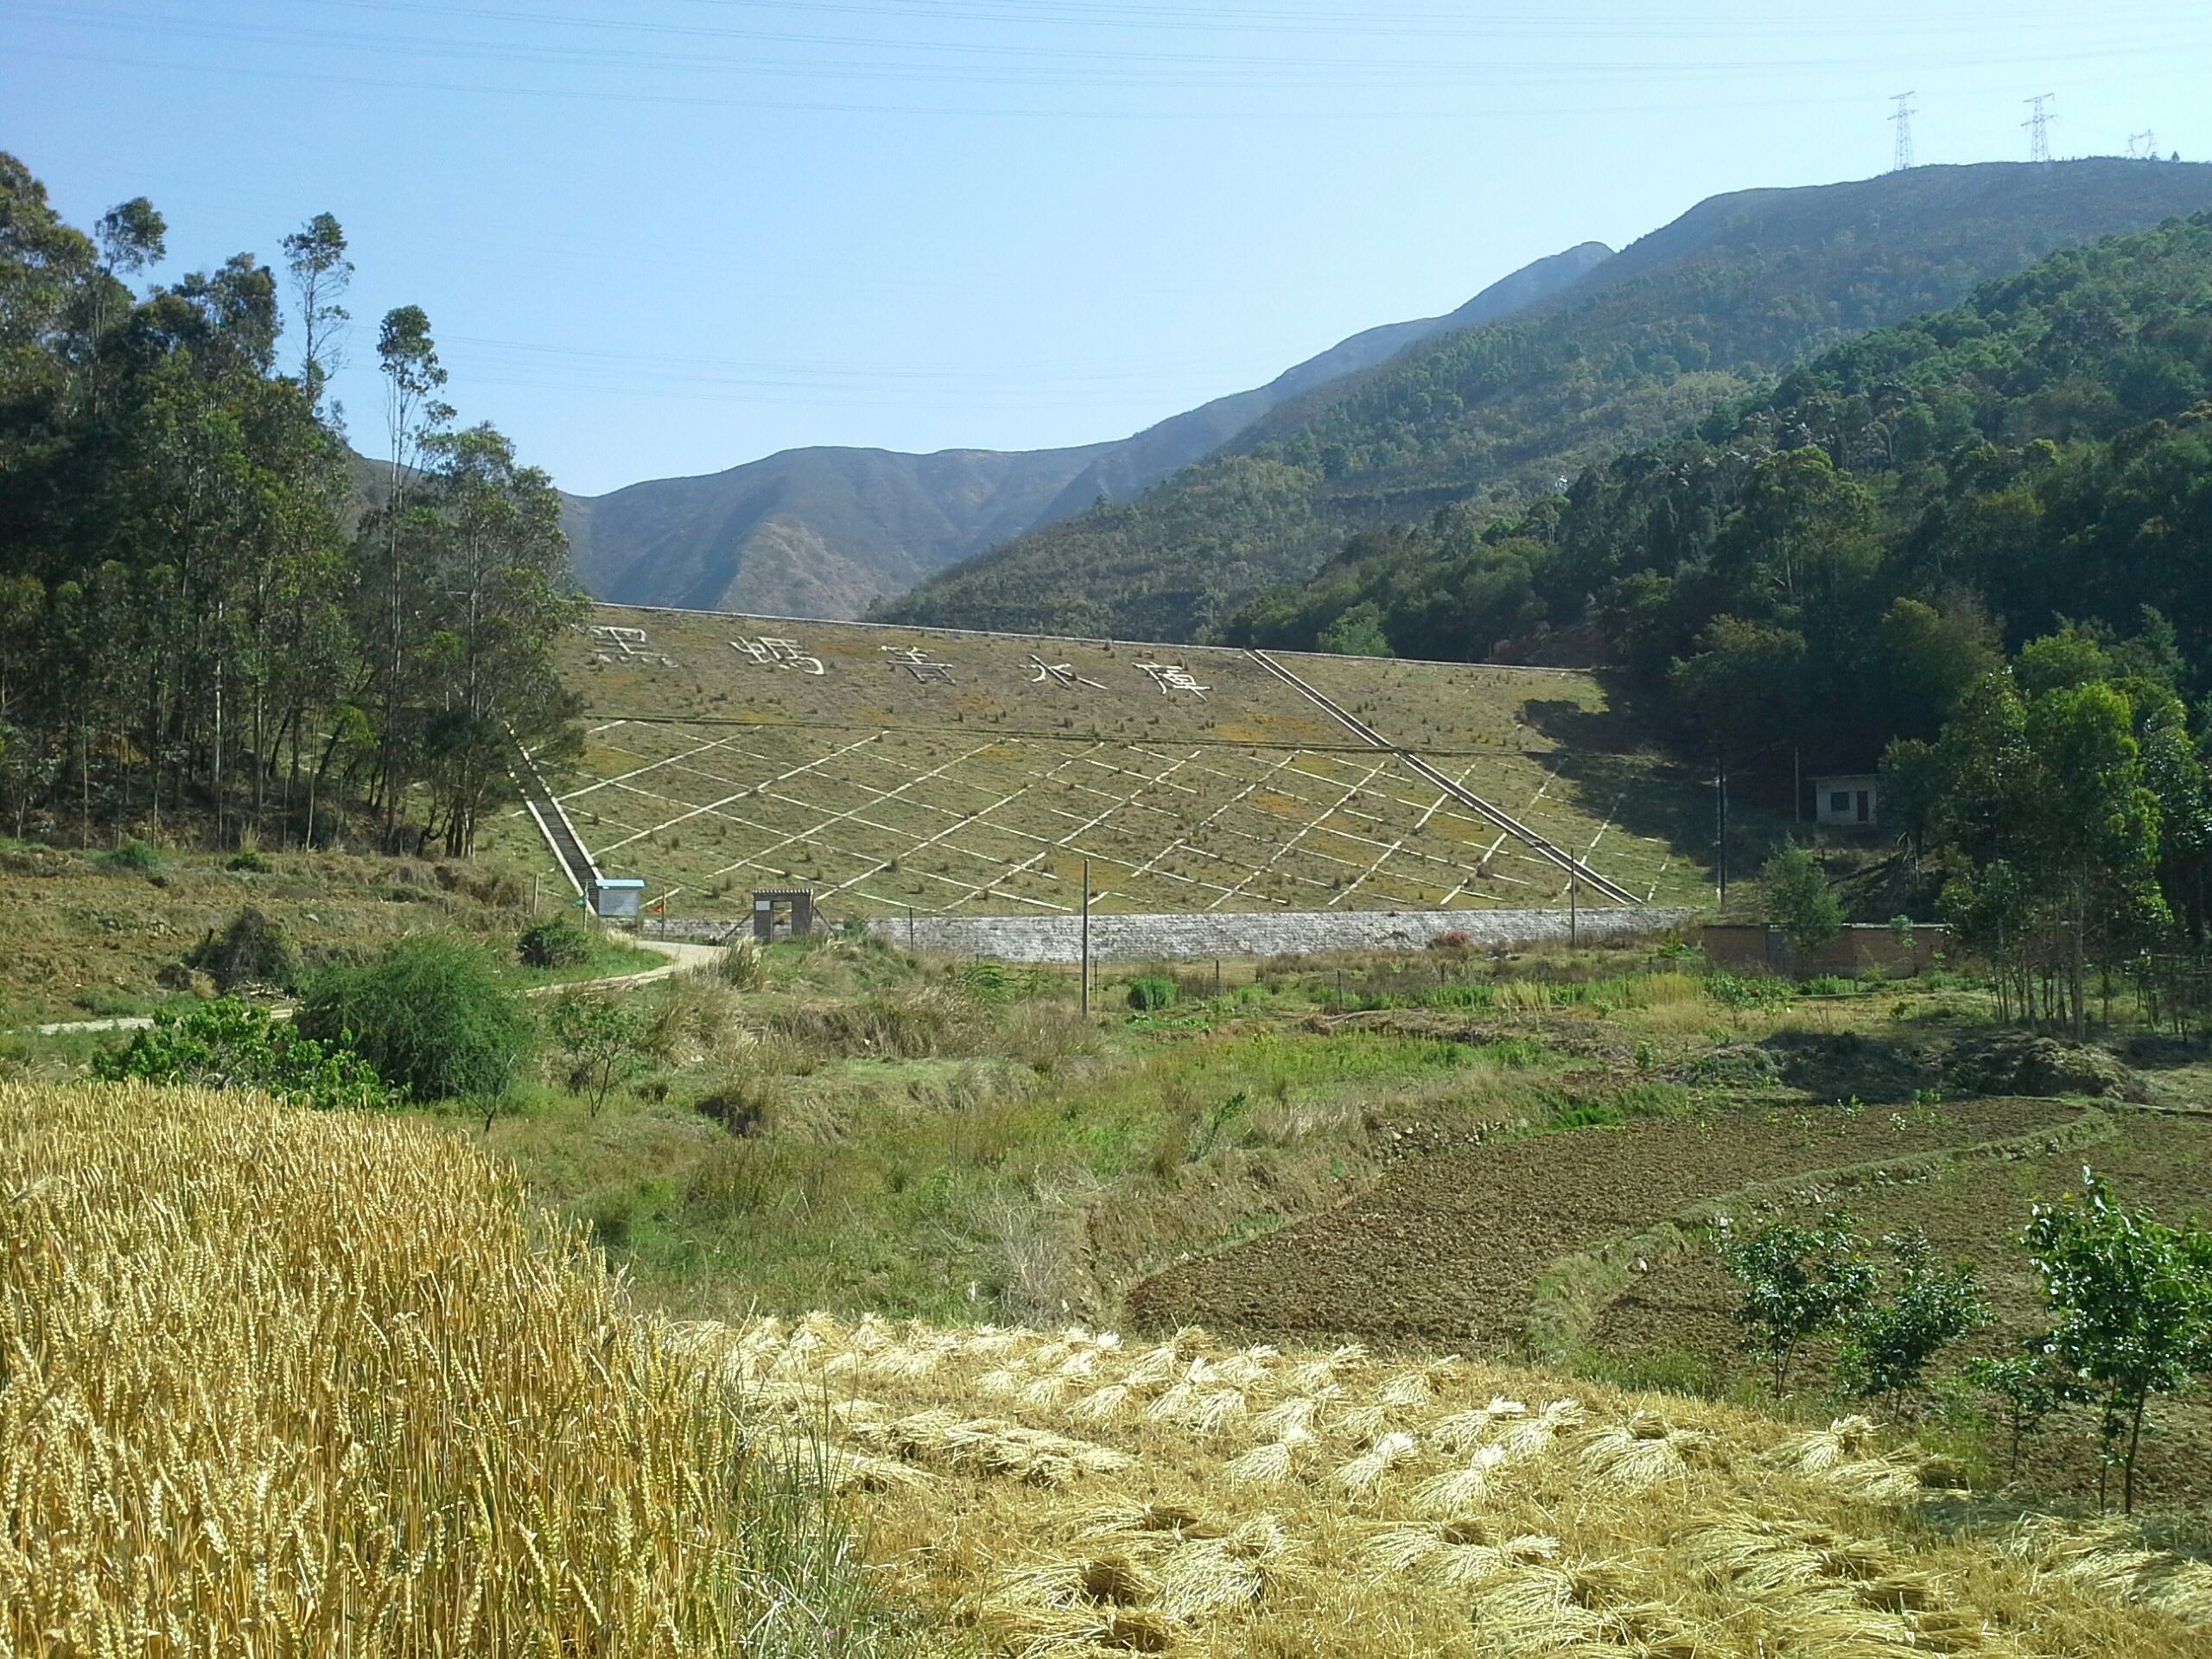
822, 531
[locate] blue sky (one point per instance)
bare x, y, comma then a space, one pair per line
669, 236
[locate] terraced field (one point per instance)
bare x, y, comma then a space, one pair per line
966, 772
1449, 1249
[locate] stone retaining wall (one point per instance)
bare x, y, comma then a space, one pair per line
1269, 933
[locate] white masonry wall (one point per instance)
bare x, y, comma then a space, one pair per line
1267, 933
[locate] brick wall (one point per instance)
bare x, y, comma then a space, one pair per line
1755, 947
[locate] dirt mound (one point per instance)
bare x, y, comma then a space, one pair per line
1839, 1065
2021, 1063
1739, 1065
1449, 1248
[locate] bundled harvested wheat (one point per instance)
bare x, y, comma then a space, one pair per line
1640, 1452
1262, 1465
1323, 1519
1364, 1473
1456, 1491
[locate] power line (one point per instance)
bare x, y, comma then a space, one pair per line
1901, 156
2038, 124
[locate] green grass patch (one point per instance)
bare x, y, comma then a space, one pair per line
609, 957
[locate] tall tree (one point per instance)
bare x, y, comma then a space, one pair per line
315, 256
501, 596
413, 375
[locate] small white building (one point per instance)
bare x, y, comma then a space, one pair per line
1851, 797
616, 896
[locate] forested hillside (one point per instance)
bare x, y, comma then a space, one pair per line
201, 626
1696, 316
1975, 547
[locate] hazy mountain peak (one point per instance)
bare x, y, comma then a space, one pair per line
824, 532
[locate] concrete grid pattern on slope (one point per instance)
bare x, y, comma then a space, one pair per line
982, 782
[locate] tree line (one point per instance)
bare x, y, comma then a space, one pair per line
216, 620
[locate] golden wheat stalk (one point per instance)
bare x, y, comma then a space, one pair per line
281, 1381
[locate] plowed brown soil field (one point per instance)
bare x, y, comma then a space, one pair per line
1449, 1248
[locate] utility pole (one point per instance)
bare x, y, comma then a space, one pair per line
1720, 818
1086, 938
1573, 919
1900, 153
2038, 126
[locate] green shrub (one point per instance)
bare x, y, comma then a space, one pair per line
988, 981
1887, 1348
1829, 985
1746, 990
1586, 1115
133, 855
252, 950
430, 1014
1151, 992
603, 1039
249, 862
1652, 1099
232, 1045
1799, 1282
558, 942
1799, 900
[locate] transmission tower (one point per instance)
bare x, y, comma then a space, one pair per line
2145, 144
2038, 126
1901, 156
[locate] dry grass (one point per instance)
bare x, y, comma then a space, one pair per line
1074, 1493
287, 1383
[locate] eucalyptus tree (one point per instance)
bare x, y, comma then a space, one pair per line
315, 256
501, 594
414, 415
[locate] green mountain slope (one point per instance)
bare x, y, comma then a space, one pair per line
1698, 314
1829, 565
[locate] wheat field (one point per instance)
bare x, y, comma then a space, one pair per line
283, 1382
1067, 1493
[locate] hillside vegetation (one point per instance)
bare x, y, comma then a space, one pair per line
2032, 454
1691, 318
202, 631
